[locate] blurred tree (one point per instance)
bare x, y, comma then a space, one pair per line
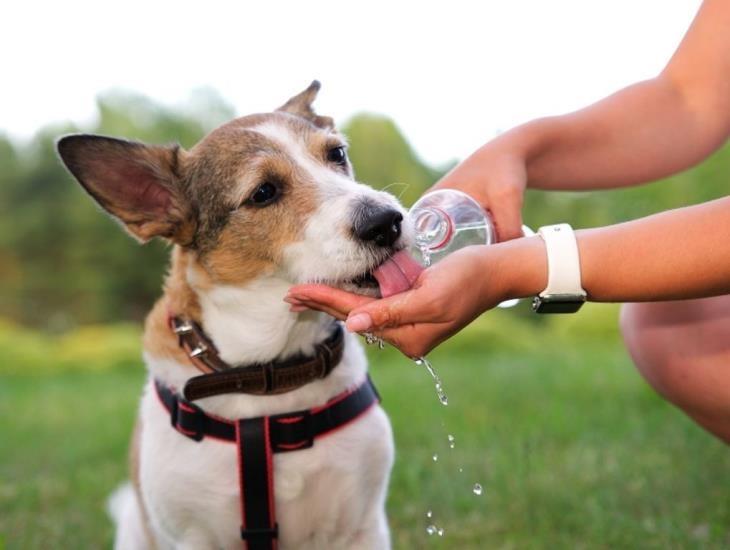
383, 158
63, 261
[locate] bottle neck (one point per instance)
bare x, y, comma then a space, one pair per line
434, 228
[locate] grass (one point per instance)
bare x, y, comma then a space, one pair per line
572, 448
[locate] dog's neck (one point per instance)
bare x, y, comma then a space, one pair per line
248, 323
252, 323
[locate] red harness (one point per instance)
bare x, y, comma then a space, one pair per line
257, 439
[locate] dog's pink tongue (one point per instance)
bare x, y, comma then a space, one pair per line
397, 274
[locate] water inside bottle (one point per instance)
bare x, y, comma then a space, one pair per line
447, 220
431, 245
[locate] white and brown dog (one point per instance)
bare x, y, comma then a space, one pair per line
261, 203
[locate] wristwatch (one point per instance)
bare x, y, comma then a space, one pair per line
564, 293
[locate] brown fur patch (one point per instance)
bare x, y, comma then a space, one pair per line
178, 299
251, 243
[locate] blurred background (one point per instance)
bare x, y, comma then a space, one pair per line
549, 416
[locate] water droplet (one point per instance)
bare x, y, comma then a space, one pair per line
477, 489
452, 443
443, 399
429, 514
435, 457
371, 339
422, 241
431, 530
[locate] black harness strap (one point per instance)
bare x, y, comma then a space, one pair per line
256, 478
257, 439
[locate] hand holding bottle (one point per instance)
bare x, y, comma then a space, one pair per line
495, 175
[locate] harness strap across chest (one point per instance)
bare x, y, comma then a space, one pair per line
257, 439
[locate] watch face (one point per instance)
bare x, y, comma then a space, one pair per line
546, 305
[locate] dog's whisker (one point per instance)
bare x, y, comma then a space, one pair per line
394, 183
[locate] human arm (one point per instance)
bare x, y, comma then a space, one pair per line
639, 134
678, 254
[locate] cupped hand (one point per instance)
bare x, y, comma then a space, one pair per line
443, 300
496, 176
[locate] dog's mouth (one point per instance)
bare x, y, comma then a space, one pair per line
396, 273
365, 284
366, 280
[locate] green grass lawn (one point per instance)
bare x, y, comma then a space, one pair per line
572, 449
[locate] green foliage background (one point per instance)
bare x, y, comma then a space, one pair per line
63, 263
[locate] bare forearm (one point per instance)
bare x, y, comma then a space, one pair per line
642, 133
678, 254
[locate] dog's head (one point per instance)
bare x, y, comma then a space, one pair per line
263, 195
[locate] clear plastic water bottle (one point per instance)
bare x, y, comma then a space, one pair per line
447, 220
444, 221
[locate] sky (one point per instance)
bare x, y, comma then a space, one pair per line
452, 74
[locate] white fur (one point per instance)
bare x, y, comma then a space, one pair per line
329, 496
124, 510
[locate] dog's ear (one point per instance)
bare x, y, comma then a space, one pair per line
137, 184
301, 105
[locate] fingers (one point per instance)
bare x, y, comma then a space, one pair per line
333, 301
505, 208
362, 313
405, 320
415, 341
298, 306
406, 308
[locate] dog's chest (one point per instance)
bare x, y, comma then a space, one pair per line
191, 489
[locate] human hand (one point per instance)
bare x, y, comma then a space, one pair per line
496, 176
444, 299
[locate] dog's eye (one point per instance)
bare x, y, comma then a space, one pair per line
264, 194
337, 155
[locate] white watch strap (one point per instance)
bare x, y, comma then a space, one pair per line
563, 261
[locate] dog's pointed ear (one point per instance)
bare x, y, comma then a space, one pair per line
137, 184
301, 105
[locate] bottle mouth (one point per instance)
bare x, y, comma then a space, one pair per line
433, 228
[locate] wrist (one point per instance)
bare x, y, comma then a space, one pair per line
519, 268
529, 142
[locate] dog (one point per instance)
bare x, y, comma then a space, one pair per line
261, 203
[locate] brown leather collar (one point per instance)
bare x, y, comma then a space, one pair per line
270, 378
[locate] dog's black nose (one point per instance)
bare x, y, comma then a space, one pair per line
380, 226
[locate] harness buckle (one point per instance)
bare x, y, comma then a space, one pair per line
188, 419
